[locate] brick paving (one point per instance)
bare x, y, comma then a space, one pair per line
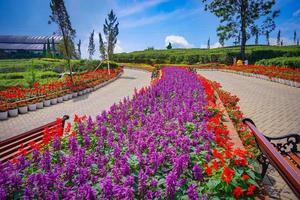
89, 104
275, 108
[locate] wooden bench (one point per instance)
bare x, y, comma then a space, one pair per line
9, 148
282, 153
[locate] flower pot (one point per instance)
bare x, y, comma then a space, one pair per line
53, 101
3, 115
60, 99
40, 105
74, 94
32, 107
291, 83
66, 97
80, 93
297, 84
23, 109
47, 103
70, 96
13, 112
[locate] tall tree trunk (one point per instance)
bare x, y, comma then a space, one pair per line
68, 55
243, 28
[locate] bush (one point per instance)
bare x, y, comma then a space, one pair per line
292, 62
195, 55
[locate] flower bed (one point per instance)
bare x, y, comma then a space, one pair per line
15, 97
167, 142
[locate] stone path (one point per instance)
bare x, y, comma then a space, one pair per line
275, 109
90, 104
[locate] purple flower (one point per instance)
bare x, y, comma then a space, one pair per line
171, 185
56, 144
197, 172
192, 192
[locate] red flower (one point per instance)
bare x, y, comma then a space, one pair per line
241, 162
227, 174
237, 192
245, 177
250, 190
215, 165
208, 170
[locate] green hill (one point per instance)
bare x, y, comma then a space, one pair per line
196, 55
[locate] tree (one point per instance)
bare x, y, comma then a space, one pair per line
268, 38
91, 48
79, 49
60, 16
278, 38
298, 42
221, 39
169, 46
208, 43
44, 50
53, 48
48, 50
255, 33
239, 16
111, 31
281, 43
102, 48
295, 37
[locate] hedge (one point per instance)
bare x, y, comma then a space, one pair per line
292, 62
195, 55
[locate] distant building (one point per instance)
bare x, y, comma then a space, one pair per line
12, 46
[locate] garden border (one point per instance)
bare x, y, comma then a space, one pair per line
259, 76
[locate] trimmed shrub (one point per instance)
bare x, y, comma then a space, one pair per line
292, 62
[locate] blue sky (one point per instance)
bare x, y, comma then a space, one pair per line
148, 23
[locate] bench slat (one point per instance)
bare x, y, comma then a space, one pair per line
288, 173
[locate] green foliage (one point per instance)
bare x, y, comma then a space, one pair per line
111, 31
91, 48
102, 48
292, 62
195, 55
79, 49
169, 46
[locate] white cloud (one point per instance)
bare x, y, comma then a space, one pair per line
286, 41
118, 47
177, 40
296, 13
212, 46
140, 7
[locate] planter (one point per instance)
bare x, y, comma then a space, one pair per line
53, 101
3, 115
70, 96
13, 112
47, 103
23, 109
32, 107
80, 93
66, 97
40, 105
60, 99
74, 94
297, 84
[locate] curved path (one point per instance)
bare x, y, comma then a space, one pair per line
275, 109
90, 104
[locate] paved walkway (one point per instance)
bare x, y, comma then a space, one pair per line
275, 108
90, 104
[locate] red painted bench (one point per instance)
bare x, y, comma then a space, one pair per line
282, 153
10, 147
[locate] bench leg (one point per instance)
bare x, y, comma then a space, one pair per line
262, 159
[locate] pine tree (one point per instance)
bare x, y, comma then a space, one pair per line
91, 48
79, 49
298, 42
48, 51
53, 48
268, 38
281, 43
295, 37
208, 43
60, 16
111, 31
241, 16
102, 48
44, 50
278, 38
169, 46
255, 33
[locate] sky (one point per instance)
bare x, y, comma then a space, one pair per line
143, 23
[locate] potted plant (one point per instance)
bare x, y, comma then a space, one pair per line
53, 100
32, 104
23, 108
40, 103
46, 101
3, 110
60, 98
13, 110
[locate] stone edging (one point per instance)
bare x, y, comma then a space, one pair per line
263, 77
66, 97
